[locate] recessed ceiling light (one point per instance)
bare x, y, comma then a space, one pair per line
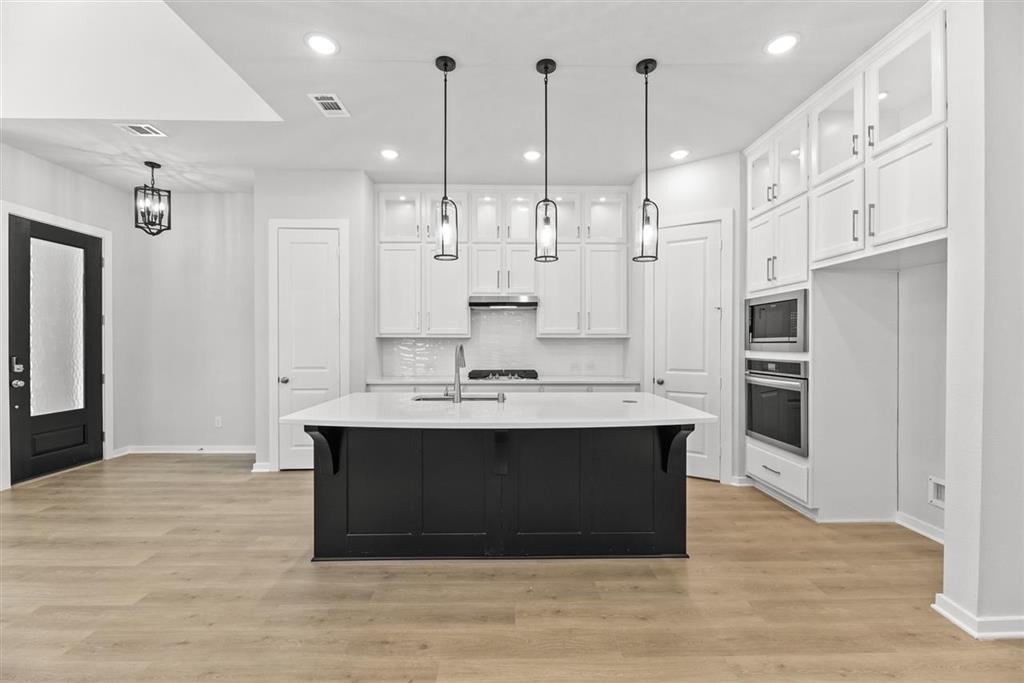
882, 95
795, 152
602, 199
321, 44
558, 199
487, 199
680, 154
782, 44
389, 154
401, 198
531, 155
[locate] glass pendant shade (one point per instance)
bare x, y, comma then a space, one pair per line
448, 232
152, 205
647, 233
546, 237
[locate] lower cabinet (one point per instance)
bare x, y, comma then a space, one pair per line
777, 470
584, 293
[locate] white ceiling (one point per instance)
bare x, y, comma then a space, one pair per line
713, 92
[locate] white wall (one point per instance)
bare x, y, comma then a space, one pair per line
283, 194
921, 429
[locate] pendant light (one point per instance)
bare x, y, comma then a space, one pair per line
647, 224
545, 238
448, 231
152, 205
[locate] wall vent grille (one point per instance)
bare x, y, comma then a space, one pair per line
329, 105
143, 130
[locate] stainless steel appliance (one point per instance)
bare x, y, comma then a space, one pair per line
777, 322
502, 375
777, 403
503, 301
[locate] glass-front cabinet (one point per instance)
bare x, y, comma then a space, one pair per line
906, 87
837, 125
790, 151
398, 216
759, 179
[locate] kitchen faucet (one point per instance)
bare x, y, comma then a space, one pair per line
460, 362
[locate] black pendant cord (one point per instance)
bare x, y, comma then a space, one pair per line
647, 165
445, 153
545, 136
152, 177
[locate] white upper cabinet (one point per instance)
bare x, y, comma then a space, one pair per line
399, 217
837, 130
485, 265
777, 247
398, 289
519, 209
570, 217
759, 179
560, 294
837, 216
519, 267
760, 249
606, 290
906, 87
432, 218
485, 217
605, 216
906, 189
790, 152
446, 296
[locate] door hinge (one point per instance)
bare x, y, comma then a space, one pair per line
103, 319
103, 436
103, 378
103, 262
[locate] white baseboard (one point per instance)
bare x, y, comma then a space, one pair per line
982, 628
924, 528
737, 481
184, 450
261, 467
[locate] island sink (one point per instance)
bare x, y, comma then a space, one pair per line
498, 397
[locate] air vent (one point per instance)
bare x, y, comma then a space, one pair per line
143, 130
329, 105
937, 492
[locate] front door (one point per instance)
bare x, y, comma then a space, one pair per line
56, 359
309, 337
687, 332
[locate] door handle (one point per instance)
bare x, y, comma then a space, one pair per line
16, 366
871, 220
855, 213
17, 383
284, 380
659, 381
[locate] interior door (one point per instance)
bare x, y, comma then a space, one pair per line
55, 337
687, 332
309, 337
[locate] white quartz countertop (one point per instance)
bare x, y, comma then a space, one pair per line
546, 379
519, 411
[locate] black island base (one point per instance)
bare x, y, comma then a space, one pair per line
471, 493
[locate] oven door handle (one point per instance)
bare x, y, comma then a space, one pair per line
797, 384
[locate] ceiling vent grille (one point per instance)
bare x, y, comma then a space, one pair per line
143, 130
329, 105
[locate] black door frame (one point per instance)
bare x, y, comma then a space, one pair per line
8, 209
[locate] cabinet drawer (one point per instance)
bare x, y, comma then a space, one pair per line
779, 472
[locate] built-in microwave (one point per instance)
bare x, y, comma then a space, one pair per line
777, 322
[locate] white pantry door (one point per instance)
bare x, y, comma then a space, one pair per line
687, 332
309, 344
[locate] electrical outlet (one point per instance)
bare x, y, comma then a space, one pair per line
217, 422
937, 492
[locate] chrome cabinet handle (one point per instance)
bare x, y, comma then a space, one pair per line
771, 470
775, 191
871, 220
768, 193
497, 279
17, 383
588, 232
508, 232
428, 321
775, 275
871, 135
497, 232
428, 231
768, 268
577, 232
508, 279
590, 319
855, 214
578, 320
283, 380
855, 139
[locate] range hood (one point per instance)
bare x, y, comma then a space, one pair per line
503, 301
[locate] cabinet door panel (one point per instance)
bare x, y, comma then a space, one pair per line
906, 87
790, 149
398, 216
447, 294
519, 269
907, 189
559, 290
519, 208
760, 249
606, 218
790, 265
398, 289
837, 124
432, 218
486, 275
759, 180
485, 217
837, 211
570, 217
606, 292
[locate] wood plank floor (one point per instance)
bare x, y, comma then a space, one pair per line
157, 568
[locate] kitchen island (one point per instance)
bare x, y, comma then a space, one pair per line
537, 475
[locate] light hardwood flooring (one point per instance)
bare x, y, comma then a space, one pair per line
184, 568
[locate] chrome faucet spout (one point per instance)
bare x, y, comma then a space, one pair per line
460, 362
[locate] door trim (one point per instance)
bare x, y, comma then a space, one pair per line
275, 225
107, 238
730, 467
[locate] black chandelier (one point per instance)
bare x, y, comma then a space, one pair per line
152, 205
647, 225
545, 238
448, 231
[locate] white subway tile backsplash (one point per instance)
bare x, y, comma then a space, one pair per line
504, 339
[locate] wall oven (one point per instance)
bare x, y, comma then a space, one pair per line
777, 403
777, 322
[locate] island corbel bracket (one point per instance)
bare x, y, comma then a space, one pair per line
672, 442
326, 448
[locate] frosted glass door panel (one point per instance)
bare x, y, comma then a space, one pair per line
904, 89
56, 328
836, 142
